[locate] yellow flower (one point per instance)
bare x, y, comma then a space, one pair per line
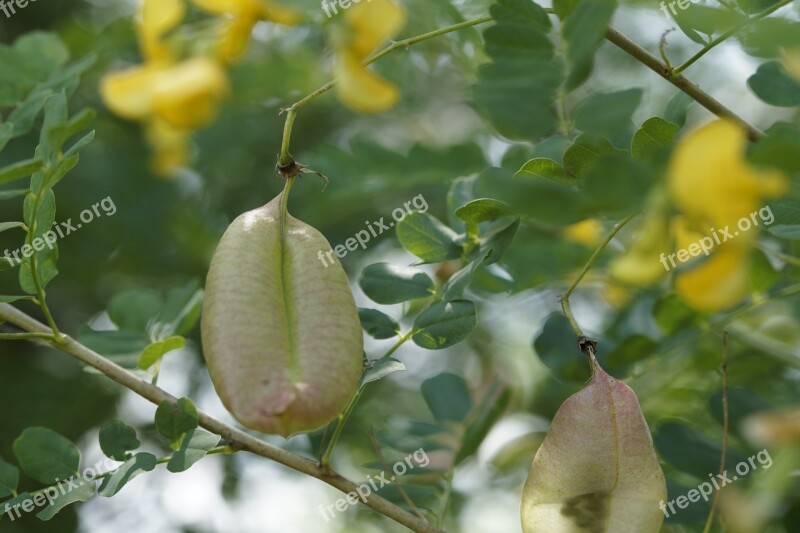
717, 281
244, 16
157, 18
588, 232
369, 25
714, 187
170, 97
185, 95
710, 180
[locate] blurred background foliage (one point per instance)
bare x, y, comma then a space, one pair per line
518, 365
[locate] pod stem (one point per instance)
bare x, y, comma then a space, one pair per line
588, 346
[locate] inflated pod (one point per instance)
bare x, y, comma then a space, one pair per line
281, 333
596, 470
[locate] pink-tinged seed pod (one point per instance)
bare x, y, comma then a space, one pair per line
281, 333
596, 470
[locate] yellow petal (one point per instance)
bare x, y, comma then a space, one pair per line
588, 232
158, 17
187, 95
642, 265
259, 9
170, 147
360, 89
236, 37
717, 283
710, 180
372, 22
128, 94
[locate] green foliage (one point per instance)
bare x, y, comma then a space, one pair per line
46, 456
174, 420
117, 439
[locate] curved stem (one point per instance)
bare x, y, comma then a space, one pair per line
725, 428
291, 111
730, 33
236, 438
679, 81
325, 460
565, 306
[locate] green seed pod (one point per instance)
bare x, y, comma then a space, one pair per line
281, 333
596, 471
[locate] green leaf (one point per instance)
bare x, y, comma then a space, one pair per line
784, 231
136, 465
85, 491
45, 455
768, 37
488, 412
42, 51
654, 135
543, 167
5, 226
556, 348
585, 152
498, 241
23, 116
16, 193
774, 86
518, 87
391, 284
117, 439
607, 114
19, 170
677, 108
550, 202
378, 325
445, 324
15, 504
583, 31
616, 186
79, 145
182, 309
9, 479
458, 282
194, 447
156, 351
133, 310
778, 148
630, 350
482, 210
6, 133
11, 299
461, 192
174, 420
111, 343
673, 439
427, 238
382, 368
448, 397
66, 164
706, 19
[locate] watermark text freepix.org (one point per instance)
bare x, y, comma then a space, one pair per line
328, 5
705, 489
8, 5
50, 494
707, 243
682, 4
374, 484
362, 237
61, 230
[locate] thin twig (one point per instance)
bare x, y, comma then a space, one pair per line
379, 454
730, 33
565, 305
235, 437
679, 81
725, 428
